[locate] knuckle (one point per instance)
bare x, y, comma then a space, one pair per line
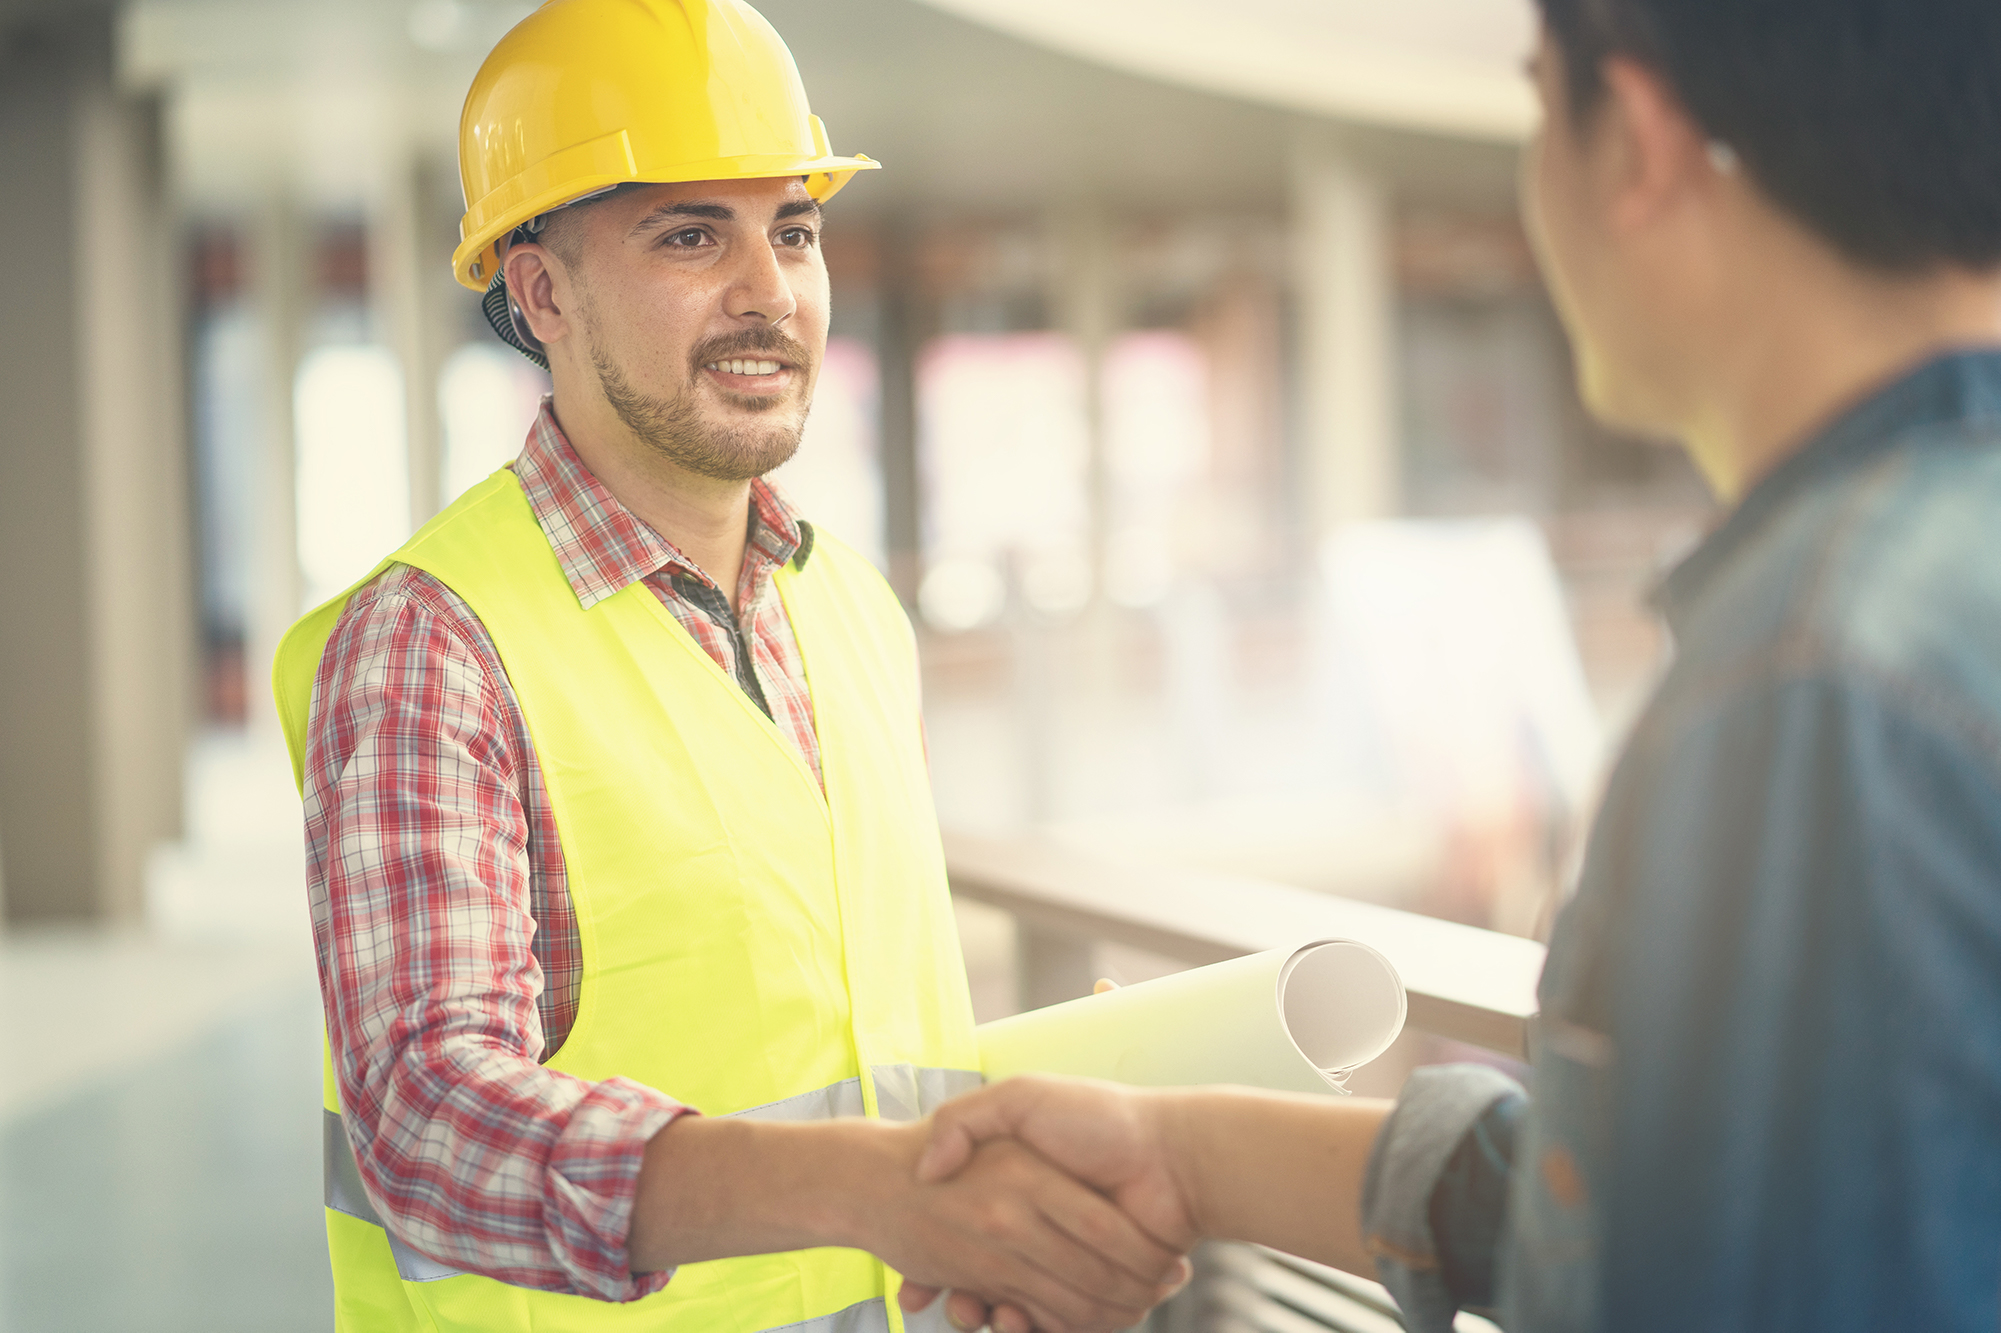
1099, 1231
996, 1217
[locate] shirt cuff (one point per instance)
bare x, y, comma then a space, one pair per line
1440, 1106
593, 1182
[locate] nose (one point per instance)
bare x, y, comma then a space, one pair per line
760, 291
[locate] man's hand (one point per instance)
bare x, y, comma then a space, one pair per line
1109, 1137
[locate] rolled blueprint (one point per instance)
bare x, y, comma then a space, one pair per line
1295, 1020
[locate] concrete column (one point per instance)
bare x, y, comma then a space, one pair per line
280, 291
1084, 303
902, 325
1345, 288
409, 287
97, 622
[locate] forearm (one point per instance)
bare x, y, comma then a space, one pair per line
718, 1188
1278, 1170
426, 911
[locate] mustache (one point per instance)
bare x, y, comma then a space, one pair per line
772, 344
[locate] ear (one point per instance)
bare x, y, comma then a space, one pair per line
1653, 149
533, 279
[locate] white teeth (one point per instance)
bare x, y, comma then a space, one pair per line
741, 367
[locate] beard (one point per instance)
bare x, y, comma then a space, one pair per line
678, 430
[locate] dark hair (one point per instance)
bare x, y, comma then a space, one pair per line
1877, 123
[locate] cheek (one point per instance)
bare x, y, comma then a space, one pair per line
656, 328
1554, 219
1544, 215
1552, 213
814, 296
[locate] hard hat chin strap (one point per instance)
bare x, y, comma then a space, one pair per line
507, 321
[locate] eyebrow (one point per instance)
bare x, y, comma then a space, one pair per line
715, 212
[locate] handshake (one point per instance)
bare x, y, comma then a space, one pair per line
1051, 1204
1064, 1205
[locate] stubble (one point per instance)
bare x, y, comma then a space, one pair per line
676, 426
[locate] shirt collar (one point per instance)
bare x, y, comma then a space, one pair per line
603, 547
1955, 386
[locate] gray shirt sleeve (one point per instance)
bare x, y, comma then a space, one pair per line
1440, 1106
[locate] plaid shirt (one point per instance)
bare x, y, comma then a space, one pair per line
448, 954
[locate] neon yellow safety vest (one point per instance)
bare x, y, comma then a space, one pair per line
749, 946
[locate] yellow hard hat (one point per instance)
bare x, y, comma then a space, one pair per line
584, 95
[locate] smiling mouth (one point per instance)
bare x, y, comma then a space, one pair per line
749, 373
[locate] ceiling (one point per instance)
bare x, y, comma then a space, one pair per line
1441, 66
971, 104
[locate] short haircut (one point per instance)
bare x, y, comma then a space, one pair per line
1876, 123
557, 229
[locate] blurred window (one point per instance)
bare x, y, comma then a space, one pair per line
353, 478
1002, 443
487, 397
1157, 451
228, 368
1450, 641
836, 477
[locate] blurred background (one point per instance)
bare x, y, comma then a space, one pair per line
1190, 379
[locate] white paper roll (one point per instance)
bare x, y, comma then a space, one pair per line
1295, 1020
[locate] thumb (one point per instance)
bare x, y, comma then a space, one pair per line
949, 1148
958, 1127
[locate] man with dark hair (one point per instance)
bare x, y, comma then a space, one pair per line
635, 945
1767, 1084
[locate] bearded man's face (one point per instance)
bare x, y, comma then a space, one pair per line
704, 313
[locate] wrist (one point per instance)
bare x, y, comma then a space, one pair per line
861, 1170
716, 1188
1183, 1118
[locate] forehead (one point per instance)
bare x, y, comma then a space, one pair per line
749, 200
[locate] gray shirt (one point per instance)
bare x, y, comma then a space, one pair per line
1767, 1082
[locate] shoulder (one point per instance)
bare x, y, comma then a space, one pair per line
407, 633
1907, 551
401, 602
1882, 583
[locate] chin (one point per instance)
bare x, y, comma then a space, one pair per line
1614, 400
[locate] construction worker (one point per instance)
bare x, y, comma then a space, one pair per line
616, 797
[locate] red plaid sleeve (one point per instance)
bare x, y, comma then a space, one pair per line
421, 820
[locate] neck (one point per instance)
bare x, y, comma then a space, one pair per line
705, 519
1808, 336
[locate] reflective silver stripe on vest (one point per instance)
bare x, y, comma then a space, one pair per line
828, 1103
903, 1092
870, 1317
344, 1195
906, 1092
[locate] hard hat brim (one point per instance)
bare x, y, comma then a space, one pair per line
474, 262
